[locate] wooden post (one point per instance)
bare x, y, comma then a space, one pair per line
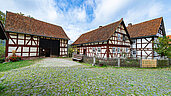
141, 63
119, 62
94, 61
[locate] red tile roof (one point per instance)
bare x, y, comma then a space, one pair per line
100, 34
26, 25
147, 28
169, 38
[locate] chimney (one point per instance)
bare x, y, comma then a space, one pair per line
100, 26
130, 25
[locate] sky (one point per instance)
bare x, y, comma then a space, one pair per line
80, 16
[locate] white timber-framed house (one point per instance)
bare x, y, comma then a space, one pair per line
142, 36
110, 41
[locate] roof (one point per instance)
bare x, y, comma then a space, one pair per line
100, 34
169, 38
147, 28
26, 25
2, 32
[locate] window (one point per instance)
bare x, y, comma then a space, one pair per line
99, 49
114, 50
118, 50
123, 37
126, 50
133, 41
134, 52
94, 50
119, 37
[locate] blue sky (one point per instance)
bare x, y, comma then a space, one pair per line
80, 16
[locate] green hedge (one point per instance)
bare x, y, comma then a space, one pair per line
130, 63
2, 60
109, 62
162, 63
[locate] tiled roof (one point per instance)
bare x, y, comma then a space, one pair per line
99, 34
2, 31
169, 38
22, 24
147, 28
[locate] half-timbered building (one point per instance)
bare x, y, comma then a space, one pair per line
34, 38
108, 41
143, 35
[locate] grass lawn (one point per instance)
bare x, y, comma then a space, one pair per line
87, 81
15, 65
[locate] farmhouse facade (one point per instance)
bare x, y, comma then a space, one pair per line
34, 38
143, 35
108, 41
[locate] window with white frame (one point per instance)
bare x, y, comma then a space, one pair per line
126, 50
119, 36
134, 52
99, 49
94, 49
118, 50
114, 50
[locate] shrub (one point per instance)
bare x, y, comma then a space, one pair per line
2, 60
13, 58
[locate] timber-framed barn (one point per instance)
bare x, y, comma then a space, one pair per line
143, 34
110, 41
34, 38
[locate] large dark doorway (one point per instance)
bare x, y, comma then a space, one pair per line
48, 47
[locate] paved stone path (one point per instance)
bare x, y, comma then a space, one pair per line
56, 62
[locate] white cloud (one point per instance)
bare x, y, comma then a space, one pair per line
144, 12
74, 19
106, 10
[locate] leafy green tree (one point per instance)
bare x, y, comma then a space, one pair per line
70, 51
2, 50
2, 17
162, 46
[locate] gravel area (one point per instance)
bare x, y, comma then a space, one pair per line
56, 62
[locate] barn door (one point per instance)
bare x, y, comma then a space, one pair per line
84, 52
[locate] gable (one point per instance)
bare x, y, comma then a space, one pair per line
120, 36
161, 30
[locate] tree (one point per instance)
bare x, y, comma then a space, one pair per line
70, 51
23, 15
2, 50
162, 46
2, 17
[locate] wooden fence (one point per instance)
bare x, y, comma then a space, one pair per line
123, 62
